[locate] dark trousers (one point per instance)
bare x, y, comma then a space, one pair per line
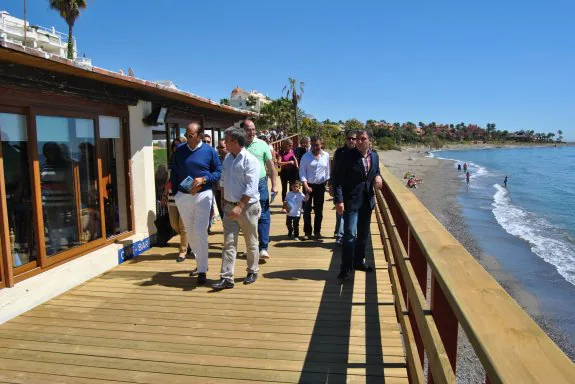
218, 196
316, 198
355, 236
287, 175
292, 224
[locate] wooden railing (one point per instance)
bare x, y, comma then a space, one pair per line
277, 145
510, 345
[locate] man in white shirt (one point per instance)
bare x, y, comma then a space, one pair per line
314, 174
241, 204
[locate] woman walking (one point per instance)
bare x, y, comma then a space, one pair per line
288, 166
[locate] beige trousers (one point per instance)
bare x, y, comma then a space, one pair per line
178, 226
248, 223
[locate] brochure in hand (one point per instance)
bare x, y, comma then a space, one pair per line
186, 184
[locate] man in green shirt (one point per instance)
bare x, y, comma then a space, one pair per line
261, 150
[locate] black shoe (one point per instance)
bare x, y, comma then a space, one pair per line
363, 267
318, 236
223, 284
202, 279
251, 278
194, 272
181, 258
290, 235
345, 276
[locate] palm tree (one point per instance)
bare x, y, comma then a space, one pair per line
290, 90
560, 133
69, 10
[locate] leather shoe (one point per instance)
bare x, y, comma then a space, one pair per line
223, 284
194, 272
202, 278
345, 276
363, 267
251, 278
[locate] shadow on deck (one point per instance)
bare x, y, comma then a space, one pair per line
146, 321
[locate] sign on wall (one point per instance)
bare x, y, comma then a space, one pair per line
132, 250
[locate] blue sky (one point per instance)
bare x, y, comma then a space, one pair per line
508, 62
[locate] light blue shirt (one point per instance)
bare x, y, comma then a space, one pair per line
241, 177
312, 170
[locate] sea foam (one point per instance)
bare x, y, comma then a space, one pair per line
536, 231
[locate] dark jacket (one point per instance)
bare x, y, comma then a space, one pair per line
351, 185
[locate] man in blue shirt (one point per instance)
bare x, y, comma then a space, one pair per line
242, 209
199, 162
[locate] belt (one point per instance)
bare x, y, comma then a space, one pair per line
231, 202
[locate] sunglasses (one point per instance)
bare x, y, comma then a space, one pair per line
219, 147
351, 138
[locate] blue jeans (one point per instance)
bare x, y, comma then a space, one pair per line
355, 236
265, 218
339, 223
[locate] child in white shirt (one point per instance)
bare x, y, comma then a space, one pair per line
294, 202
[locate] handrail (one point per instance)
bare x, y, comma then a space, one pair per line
510, 345
277, 145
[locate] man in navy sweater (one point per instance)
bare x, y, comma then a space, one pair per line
356, 177
199, 162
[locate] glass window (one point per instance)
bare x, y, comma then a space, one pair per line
14, 137
113, 176
68, 181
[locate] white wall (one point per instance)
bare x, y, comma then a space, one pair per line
142, 162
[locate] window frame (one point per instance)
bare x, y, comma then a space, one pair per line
33, 104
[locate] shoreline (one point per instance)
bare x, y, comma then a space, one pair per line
439, 194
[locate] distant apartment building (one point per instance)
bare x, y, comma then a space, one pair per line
41, 38
241, 99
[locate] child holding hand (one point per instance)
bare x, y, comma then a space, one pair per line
294, 202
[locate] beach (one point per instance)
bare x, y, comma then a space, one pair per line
439, 193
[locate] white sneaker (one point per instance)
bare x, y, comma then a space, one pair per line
264, 254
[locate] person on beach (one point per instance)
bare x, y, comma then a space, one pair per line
314, 173
196, 168
261, 151
348, 145
242, 209
356, 177
467, 177
459, 167
294, 203
505, 182
464, 167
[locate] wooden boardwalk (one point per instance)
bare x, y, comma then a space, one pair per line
145, 321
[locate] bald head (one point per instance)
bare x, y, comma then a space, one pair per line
194, 134
250, 130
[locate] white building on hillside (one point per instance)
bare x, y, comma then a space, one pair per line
45, 39
239, 99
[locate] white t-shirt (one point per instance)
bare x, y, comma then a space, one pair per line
294, 202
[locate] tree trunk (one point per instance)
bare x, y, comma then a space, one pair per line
70, 43
296, 120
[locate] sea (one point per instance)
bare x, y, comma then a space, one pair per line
528, 226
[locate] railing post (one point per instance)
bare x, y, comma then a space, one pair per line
445, 321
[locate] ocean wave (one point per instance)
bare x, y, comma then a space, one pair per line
536, 231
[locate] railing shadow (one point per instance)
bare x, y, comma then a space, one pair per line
337, 304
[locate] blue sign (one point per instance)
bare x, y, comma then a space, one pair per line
132, 250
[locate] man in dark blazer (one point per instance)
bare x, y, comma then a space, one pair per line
356, 176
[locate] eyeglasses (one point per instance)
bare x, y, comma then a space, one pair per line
190, 135
220, 147
351, 138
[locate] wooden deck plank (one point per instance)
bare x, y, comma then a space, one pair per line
146, 321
